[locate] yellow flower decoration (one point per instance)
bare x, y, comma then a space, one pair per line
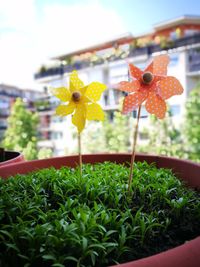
81, 101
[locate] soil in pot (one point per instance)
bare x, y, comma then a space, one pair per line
57, 218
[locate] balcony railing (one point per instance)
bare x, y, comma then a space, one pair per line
194, 67
189, 40
50, 72
134, 52
194, 60
10, 94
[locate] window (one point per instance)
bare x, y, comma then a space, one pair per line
143, 113
141, 66
173, 35
56, 135
4, 104
174, 58
175, 110
134, 114
118, 73
106, 99
110, 116
3, 124
117, 96
57, 119
191, 32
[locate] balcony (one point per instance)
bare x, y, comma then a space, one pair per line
194, 61
3, 124
189, 40
4, 113
49, 72
140, 51
10, 94
3, 127
133, 52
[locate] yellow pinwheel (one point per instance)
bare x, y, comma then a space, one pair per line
81, 101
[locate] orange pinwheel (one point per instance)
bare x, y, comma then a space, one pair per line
151, 85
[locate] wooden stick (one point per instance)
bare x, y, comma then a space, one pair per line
135, 135
2, 154
79, 153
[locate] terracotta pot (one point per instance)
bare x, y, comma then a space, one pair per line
186, 255
11, 157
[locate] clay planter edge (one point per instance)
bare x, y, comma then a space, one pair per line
186, 255
12, 157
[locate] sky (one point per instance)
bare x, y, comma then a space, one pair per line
33, 31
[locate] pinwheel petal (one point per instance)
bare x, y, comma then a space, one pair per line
129, 86
149, 67
79, 117
61, 93
64, 110
156, 105
168, 87
132, 101
94, 91
94, 112
135, 72
75, 82
160, 64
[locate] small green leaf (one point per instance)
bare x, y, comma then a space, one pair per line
49, 257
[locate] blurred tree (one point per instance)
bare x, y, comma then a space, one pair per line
192, 124
163, 138
93, 138
21, 134
117, 133
45, 153
111, 136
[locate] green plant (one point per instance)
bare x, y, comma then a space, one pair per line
42, 69
57, 218
166, 42
21, 134
191, 125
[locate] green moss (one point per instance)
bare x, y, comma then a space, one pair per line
57, 218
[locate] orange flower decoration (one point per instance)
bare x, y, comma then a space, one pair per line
151, 85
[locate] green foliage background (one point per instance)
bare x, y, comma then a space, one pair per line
21, 134
192, 124
110, 137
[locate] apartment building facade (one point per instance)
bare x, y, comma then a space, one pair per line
8, 95
107, 62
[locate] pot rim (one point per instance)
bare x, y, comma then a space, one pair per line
186, 170
16, 158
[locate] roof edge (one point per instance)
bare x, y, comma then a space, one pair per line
185, 19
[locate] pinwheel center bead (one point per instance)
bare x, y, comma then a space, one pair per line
147, 77
76, 96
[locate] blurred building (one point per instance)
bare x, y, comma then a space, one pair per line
107, 62
8, 95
